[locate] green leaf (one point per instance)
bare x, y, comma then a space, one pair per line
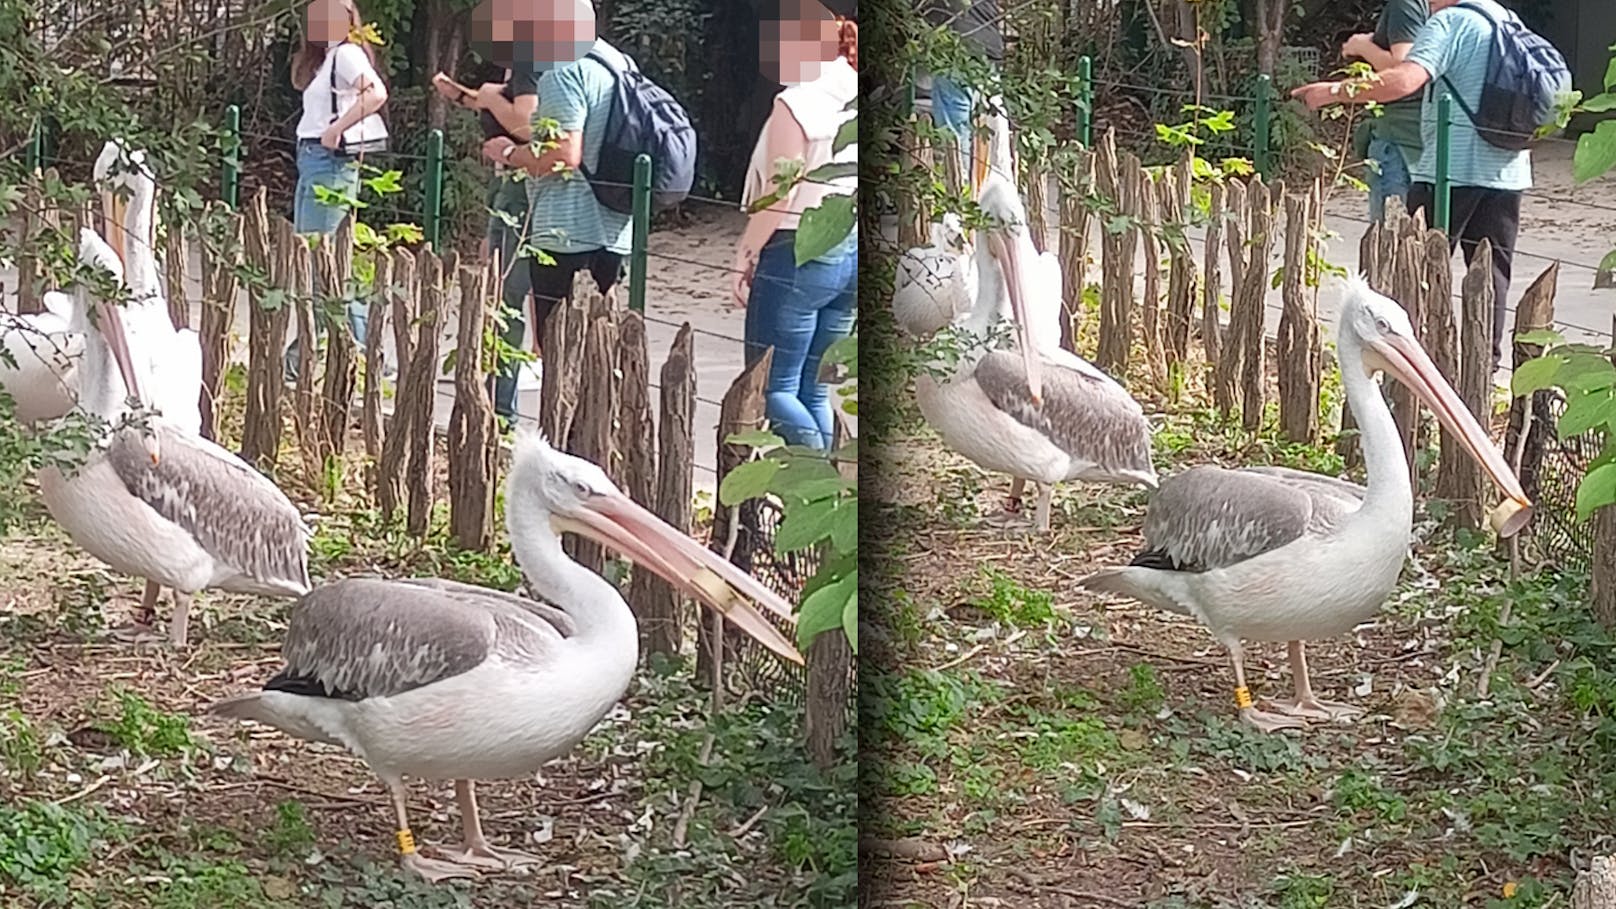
1596, 152
808, 523
1542, 336
844, 526
825, 173
1597, 490
1586, 372
756, 438
824, 609
807, 479
748, 481
1535, 375
1585, 411
1610, 75
845, 136
1600, 104
850, 618
824, 226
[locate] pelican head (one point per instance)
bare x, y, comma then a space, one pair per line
127, 185
1381, 331
108, 319
578, 497
1004, 249
950, 235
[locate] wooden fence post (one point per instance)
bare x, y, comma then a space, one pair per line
29, 298
1212, 289
1595, 888
830, 665
1075, 219
218, 314
1231, 346
370, 408
1151, 327
418, 390
636, 441
1441, 339
1035, 189
472, 445
1535, 311
661, 615
598, 384
303, 293
741, 409
389, 479
912, 219
176, 257
268, 245
337, 386
1174, 192
1408, 264
1299, 347
1475, 379
1117, 177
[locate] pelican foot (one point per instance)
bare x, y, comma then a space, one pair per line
432, 870
489, 858
1315, 709
1263, 721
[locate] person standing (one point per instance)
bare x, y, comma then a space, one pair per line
1394, 143
505, 109
343, 95
1487, 180
577, 92
800, 310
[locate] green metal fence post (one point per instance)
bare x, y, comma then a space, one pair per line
232, 156
1085, 101
434, 190
1444, 126
36, 147
1260, 151
642, 233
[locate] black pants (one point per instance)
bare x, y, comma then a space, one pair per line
1476, 213
553, 283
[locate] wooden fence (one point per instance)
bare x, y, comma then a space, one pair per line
596, 400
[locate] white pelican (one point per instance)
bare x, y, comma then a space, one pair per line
169, 359
445, 681
1270, 554
935, 284
1050, 417
160, 502
38, 368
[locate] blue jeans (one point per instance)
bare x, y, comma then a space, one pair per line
800, 312
951, 106
1393, 179
510, 196
320, 166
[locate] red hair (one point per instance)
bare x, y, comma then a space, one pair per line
847, 40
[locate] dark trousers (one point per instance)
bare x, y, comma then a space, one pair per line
1477, 213
553, 283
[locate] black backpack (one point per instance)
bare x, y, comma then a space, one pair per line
645, 120
1526, 78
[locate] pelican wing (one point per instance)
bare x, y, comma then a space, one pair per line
1208, 518
232, 510
1084, 412
366, 638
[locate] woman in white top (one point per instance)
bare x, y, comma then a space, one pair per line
800, 310
342, 95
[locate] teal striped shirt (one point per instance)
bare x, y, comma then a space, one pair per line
566, 217
1457, 43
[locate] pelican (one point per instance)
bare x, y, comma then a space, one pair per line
998, 412
444, 681
1270, 554
170, 359
38, 368
160, 502
935, 284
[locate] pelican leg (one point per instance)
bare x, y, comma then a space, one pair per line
1046, 495
1305, 704
180, 623
1018, 487
1251, 716
140, 630
430, 870
476, 851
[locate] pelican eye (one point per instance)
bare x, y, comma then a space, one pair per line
582, 489
1384, 326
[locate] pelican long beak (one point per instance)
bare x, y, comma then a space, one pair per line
1408, 361
113, 210
616, 521
1010, 264
979, 161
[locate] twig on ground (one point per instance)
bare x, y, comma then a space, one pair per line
84, 792
750, 822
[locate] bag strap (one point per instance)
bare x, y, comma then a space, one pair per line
1430, 91
335, 116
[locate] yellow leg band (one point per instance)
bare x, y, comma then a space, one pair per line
1242, 697
406, 842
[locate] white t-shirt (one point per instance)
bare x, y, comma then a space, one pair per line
351, 64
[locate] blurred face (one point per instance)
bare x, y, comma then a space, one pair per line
541, 34
328, 20
795, 39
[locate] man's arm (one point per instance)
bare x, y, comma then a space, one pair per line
515, 116
1400, 81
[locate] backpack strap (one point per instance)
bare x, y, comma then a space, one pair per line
332, 55
1430, 90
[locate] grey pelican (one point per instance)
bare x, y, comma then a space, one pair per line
1270, 554
935, 284
159, 502
1050, 417
39, 366
445, 681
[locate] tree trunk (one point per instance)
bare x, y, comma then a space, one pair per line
830, 670
1270, 33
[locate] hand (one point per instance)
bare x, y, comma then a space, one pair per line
494, 149
741, 287
1359, 46
332, 137
1316, 94
446, 88
488, 94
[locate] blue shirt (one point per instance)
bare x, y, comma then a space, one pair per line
1457, 43
566, 217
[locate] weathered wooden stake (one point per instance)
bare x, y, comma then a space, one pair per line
662, 615
472, 445
418, 389
1151, 323
337, 386
405, 292
1299, 346
741, 409
1076, 219
1475, 385
636, 441
1174, 193
370, 410
1211, 289
269, 245
1535, 311
218, 314
592, 436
